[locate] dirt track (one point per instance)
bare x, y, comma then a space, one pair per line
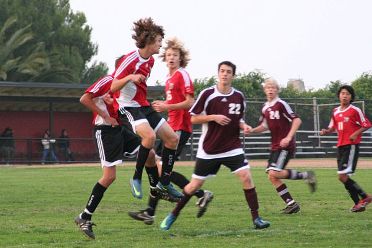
310, 163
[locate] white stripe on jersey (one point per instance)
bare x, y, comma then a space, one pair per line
101, 82
198, 98
185, 76
360, 113
125, 63
286, 106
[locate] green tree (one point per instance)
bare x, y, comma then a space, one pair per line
29, 64
362, 86
65, 35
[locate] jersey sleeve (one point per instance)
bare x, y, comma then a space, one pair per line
362, 120
100, 87
185, 84
124, 68
287, 111
199, 105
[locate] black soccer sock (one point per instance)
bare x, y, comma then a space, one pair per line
181, 204
251, 198
296, 175
199, 193
284, 194
179, 179
153, 174
143, 153
352, 187
93, 201
153, 202
168, 162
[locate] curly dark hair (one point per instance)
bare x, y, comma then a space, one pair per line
145, 32
176, 44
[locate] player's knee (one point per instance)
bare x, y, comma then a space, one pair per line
107, 180
172, 141
342, 178
148, 140
272, 176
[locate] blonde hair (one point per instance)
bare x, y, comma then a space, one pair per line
176, 44
271, 81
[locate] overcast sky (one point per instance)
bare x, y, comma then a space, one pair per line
316, 40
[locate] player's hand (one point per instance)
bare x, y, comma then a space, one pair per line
138, 78
107, 98
112, 121
159, 106
285, 142
323, 131
353, 137
222, 120
247, 129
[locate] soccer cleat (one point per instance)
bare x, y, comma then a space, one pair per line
85, 226
358, 208
259, 223
136, 188
142, 215
311, 181
366, 200
291, 208
169, 189
203, 202
166, 224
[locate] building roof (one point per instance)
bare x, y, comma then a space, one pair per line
35, 96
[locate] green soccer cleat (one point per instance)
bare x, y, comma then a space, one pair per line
166, 224
136, 188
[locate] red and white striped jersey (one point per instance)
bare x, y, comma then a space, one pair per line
132, 94
177, 87
98, 90
346, 122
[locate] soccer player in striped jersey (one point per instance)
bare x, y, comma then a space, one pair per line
220, 109
136, 112
179, 92
349, 122
278, 117
112, 141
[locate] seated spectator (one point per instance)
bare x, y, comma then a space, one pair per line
7, 147
48, 149
64, 145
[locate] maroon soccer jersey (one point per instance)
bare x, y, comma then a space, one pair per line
132, 94
98, 90
346, 122
176, 88
220, 141
277, 116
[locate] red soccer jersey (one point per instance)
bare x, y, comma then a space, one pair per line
99, 89
346, 122
277, 116
219, 141
132, 94
176, 88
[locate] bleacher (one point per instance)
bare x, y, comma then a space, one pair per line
308, 143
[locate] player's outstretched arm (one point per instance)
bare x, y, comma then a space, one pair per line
200, 119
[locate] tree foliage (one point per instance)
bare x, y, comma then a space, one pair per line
63, 33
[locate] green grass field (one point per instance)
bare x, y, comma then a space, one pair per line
38, 206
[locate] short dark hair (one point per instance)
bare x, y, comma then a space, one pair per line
349, 89
228, 63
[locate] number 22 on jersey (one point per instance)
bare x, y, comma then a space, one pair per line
234, 108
